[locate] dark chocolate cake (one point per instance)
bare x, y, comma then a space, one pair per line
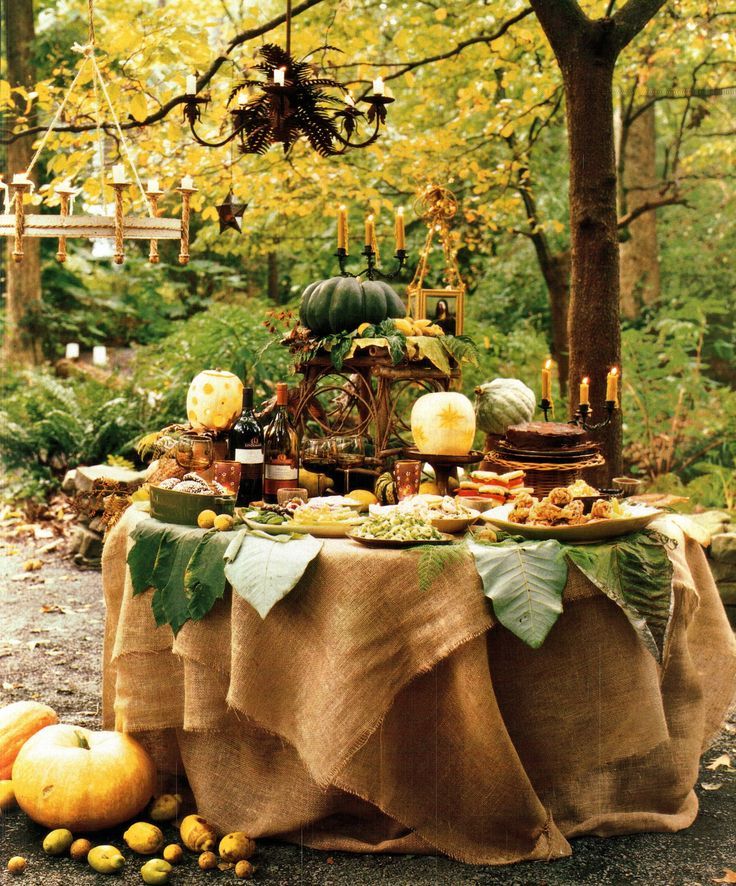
543, 435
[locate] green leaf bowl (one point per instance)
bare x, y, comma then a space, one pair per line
169, 506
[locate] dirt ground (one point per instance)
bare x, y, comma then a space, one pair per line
51, 624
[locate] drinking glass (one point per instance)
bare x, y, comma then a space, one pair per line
285, 495
628, 485
407, 475
195, 451
350, 454
318, 454
227, 474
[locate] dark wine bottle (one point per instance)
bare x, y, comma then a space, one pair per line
246, 447
280, 449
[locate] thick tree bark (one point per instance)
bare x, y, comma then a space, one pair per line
640, 280
274, 290
23, 279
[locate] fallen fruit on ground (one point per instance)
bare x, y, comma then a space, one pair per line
7, 794
18, 722
57, 842
197, 834
206, 519
144, 838
79, 850
173, 853
165, 808
208, 861
156, 871
17, 864
244, 870
67, 776
236, 846
105, 859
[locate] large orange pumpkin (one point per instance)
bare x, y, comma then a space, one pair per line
18, 722
67, 776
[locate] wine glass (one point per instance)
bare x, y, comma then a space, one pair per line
195, 451
318, 454
350, 454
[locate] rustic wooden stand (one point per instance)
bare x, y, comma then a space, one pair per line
363, 397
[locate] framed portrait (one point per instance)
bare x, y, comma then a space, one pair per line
445, 307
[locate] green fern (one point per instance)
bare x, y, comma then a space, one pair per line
434, 559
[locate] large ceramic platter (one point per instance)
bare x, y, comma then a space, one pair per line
393, 543
639, 517
318, 530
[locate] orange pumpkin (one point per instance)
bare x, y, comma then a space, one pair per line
18, 722
67, 776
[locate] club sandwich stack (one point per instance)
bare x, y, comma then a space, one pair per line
498, 488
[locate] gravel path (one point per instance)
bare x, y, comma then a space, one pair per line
51, 623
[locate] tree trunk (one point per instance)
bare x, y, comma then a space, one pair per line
23, 293
593, 327
557, 278
274, 292
640, 282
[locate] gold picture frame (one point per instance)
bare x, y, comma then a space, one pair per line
428, 307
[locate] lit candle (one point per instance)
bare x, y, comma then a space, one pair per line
72, 351
342, 228
187, 183
153, 187
399, 229
242, 99
191, 84
99, 355
370, 231
378, 86
118, 174
612, 385
585, 392
21, 178
278, 76
547, 381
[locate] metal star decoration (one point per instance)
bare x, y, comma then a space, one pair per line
231, 214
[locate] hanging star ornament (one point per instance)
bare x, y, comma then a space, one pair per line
231, 214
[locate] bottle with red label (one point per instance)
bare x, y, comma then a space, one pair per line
246, 447
280, 449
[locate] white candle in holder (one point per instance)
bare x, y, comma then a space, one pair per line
99, 355
187, 183
118, 174
191, 84
378, 86
278, 76
72, 351
153, 187
21, 178
242, 99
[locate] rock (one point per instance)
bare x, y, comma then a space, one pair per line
723, 547
86, 547
723, 572
69, 483
87, 475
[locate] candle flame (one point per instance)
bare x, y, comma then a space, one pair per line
614, 370
548, 364
370, 217
586, 380
400, 210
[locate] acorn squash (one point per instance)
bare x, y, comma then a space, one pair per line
341, 304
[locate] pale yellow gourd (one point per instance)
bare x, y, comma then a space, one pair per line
443, 423
214, 400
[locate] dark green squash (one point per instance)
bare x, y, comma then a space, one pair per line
343, 303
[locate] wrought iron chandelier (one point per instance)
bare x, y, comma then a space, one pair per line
291, 103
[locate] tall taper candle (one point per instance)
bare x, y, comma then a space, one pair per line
584, 398
399, 229
547, 381
612, 385
370, 231
342, 228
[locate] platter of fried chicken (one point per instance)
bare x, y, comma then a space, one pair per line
562, 514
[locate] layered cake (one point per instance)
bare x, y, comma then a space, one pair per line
540, 436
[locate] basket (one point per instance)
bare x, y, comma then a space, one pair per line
546, 476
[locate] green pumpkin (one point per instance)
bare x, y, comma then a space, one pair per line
343, 303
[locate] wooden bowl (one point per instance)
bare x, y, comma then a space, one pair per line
169, 506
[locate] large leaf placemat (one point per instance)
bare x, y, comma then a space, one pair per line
183, 565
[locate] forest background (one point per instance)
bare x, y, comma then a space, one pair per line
480, 109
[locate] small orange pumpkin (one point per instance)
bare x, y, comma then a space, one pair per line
18, 722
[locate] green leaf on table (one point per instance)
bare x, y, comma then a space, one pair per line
434, 559
635, 572
425, 347
204, 576
525, 583
170, 604
461, 348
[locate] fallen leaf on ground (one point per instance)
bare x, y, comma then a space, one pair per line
724, 760
21, 576
51, 608
710, 785
42, 532
51, 546
729, 876
32, 565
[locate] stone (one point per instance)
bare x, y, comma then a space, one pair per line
69, 483
723, 547
727, 590
87, 475
723, 572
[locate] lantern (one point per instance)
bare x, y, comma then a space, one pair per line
443, 423
214, 400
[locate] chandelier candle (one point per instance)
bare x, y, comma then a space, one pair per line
399, 229
612, 386
370, 231
379, 87
342, 229
191, 84
280, 450
584, 398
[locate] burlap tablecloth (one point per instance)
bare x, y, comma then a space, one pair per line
365, 715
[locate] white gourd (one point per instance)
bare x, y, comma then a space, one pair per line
443, 423
503, 402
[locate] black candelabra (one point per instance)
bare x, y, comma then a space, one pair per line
584, 411
371, 271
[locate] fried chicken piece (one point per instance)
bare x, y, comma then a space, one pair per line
579, 520
544, 512
574, 509
524, 500
601, 509
519, 515
559, 497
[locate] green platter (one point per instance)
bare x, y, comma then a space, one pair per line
169, 506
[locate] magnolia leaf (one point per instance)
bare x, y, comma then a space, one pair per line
434, 559
425, 347
204, 576
461, 348
525, 583
263, 572
635, 572
724, 761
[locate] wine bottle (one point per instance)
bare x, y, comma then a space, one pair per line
246, 447
280, 449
